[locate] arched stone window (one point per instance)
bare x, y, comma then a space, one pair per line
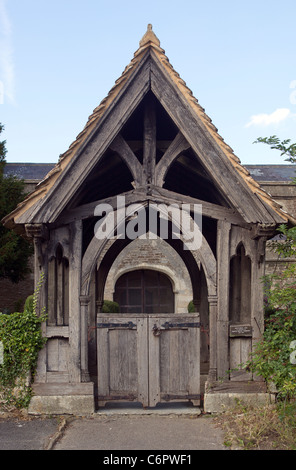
58, 289
144, 291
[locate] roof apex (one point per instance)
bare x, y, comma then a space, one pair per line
149, 37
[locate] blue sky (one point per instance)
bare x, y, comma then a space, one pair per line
59, 59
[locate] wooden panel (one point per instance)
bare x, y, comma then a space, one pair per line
60, 293
122, 358
173, 362
103, 361
52, 355
57, 355
240, 349
123, 367
174, 358
57, 331
143, 361
148, 358
154, 364
51, 309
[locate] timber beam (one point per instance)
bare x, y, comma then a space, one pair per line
156, 195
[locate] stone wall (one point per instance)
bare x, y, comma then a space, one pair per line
13, 296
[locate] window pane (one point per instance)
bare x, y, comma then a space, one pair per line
134, 310
120, 296
146, 291
165, 296
151, 296
121, 282
164, 281
135, 297
134, 278
151, 278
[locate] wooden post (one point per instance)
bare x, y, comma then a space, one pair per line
257, 298
84, 302
149, 157
213, 338
74, 303
223, 262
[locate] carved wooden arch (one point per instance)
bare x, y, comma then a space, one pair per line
242, 237
177, 146
247, 250
120, 146
203, 255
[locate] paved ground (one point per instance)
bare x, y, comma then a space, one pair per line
17, 433
113, 430
119, 432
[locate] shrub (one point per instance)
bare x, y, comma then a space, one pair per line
21, 337
271, 358
110, 307
29, 304
190, 307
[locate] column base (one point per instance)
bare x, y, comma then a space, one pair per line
62, 398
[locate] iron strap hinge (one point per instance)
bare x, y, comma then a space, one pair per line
168, 397
130, 325
167, 325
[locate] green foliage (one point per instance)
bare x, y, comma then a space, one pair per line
283, 146
110, 307
190, 307
15, 251
3, 151
21, 336
271, 358
29, 304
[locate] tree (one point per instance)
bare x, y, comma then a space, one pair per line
274, 357
275, 143
2, 151
15, 251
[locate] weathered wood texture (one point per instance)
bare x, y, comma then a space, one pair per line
148, 358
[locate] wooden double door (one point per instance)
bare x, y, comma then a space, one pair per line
148, 358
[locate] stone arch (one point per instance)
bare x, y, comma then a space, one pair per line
154, 255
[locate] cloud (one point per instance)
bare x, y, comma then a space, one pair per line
276, 117
7, 77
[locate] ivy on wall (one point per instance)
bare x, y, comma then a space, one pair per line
21, 339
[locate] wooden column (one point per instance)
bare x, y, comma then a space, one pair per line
84, 303
74, 302
213, 338
257, 297
223, 262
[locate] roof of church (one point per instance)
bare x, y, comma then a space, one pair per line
36, 172
151, 42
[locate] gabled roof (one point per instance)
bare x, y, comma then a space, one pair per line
149, 69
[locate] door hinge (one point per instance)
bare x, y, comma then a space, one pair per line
167, 325
130, 325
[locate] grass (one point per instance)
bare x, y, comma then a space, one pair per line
269, 427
